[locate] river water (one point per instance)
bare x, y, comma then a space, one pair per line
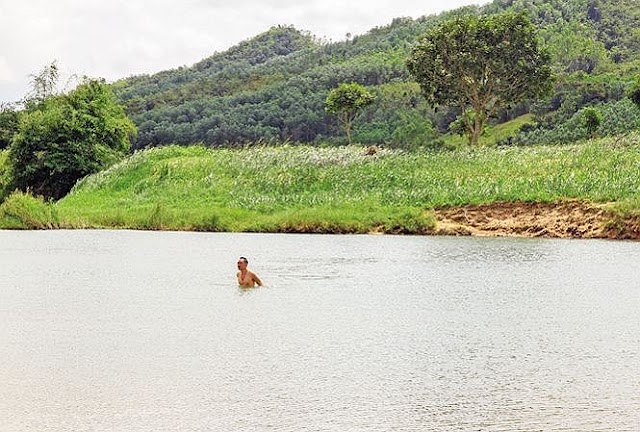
148, 331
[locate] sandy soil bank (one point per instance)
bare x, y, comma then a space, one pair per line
567, 219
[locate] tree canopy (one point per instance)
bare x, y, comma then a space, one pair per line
9, 119
481, 64
346, 101
66, 137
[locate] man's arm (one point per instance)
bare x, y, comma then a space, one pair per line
257, 279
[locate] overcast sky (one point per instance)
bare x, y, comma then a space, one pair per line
114, 39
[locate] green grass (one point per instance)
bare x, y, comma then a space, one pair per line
23, 211
492, 134
4, 171
287, 188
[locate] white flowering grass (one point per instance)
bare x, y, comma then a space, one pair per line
303, 188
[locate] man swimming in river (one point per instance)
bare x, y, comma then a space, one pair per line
246, 278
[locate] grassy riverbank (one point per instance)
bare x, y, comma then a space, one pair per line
305, 189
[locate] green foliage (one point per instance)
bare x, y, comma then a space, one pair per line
5, 173
346, 101
592, 119
501, 134
459, 125
481, 64
66, 137
617, 118
43, 85
340, 189
574, 47
272, 88
615, 23
415, 132
23, 211
634, 93
231, 101
9, 120
618, 26
398, 118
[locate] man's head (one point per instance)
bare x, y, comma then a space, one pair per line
242, 263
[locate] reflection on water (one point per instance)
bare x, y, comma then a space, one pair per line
136, 331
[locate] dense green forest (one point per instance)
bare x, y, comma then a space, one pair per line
273, 87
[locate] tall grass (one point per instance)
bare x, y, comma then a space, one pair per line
4, 173
342, 189
23, 211
493, 134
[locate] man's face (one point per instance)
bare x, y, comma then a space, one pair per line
242, 264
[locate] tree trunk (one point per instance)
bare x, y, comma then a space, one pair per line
347, 121
477, 126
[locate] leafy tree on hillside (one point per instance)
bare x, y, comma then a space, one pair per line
574, 47
481, 64
346, 101
592, 120
67, 137
618, 25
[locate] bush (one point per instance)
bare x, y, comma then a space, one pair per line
634, 94
615, 118
23, 211
458, 126
9, 120
592, 119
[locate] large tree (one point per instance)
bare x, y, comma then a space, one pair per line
481, 64
346, 101
67, 136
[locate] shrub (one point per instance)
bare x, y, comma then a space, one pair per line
616, 118
592, 119
24, 211
5, 174
634, 94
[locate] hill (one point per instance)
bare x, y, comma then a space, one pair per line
272, 87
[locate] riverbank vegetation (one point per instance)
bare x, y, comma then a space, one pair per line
332, 190
566, 130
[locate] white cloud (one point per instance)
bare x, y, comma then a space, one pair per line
6, 75
118, 38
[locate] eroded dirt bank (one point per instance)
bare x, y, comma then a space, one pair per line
566, 219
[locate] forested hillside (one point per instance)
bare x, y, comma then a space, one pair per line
273, 87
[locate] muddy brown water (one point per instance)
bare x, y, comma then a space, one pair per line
148, 331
